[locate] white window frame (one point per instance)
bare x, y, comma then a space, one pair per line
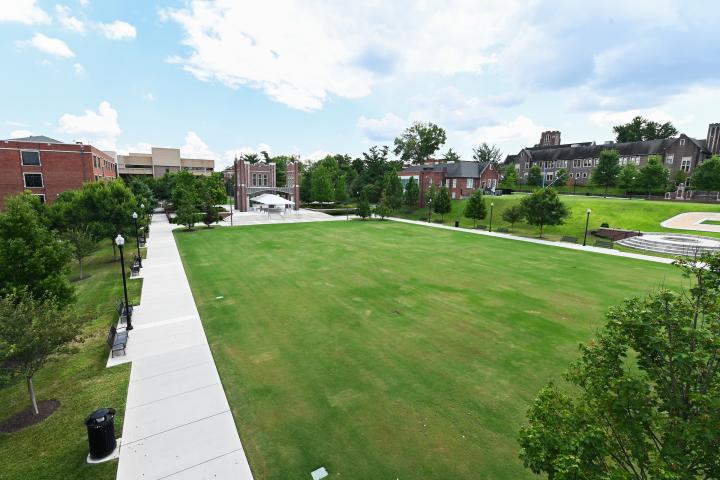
669, 159
470, 183
454, 183
686, 164
42, 196
42, 180
39, 164
682, 142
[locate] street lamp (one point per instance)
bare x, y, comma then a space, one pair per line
587, 222
120, 241
137, 238
429, 208
492, 204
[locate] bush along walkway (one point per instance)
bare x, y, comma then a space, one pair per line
178, 423
571, 246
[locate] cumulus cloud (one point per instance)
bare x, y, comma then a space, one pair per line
117, 30
23, 11
381, 129
100, 128
68, 22
52, 46
195, 147
521, 130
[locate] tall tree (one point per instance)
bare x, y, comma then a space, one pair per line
451, 156
383, 209
510, 176
487, 153
32, 257
393, 190
442, 203
31, 331
419, 142
412, 193
642, 401
640, 128
306, 187
322, 185
562, 176
475, 207
109, 207
363, 207
607, 170
341, 188
628, 177
707, 175
544, 207
83, 244
654, 176
535, 176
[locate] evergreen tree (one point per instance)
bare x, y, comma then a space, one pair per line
475, 207
442, 203
451, 156
607, 170
383, 209
487, 153
393, 190
412, 193
363, 208
544, 207
510, 177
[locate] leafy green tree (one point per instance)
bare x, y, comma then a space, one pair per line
363, 208
442, 203
653, 176
251, 157
510, 176
31, 331
322, 185
681, 177
68, 211
475, 207
187, 215
643, 402
628, 177
607, 170
32, 257
341, 189
562, 176
412, 193
487, 153
535, 176
144, 195
513, 215
543, 207
707, 175
109, 207
393, 190
419, 142
451, 156
210, 193
306, 187
640, 128
83, 244
383, 209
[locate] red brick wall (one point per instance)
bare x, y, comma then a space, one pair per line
63, 167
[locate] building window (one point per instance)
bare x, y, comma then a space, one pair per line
577, 175
682, 142
470, 183
30, 157
33, 180
669, 159
527, 164
41, 197
454, 183
549, 177
685, 164
584, 175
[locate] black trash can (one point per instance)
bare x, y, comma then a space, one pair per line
457, 224
101, 432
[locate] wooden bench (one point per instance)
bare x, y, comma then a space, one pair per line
604, 243
143, 241
120, 308
569, 239
117, 341
134, 270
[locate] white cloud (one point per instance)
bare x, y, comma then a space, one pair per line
381, 129
84, 3
195, 147
13, 123
609, 118
150, 97
20, 133
314, 156
230, 155
68, 22
52, 46
78, 69
100, 128
22, 11
522, 130
117, 30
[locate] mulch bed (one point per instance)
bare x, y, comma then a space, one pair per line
26, 418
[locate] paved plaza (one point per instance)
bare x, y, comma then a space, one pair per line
693, 221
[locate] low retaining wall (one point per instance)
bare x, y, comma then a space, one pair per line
615, 234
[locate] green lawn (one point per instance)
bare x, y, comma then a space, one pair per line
711, 222
56, 448
618, 213
387, 350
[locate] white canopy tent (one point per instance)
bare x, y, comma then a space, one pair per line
271, 201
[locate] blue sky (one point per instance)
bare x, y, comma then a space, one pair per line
220, 77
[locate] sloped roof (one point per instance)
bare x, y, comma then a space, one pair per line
461, 169
35, 139
649, 147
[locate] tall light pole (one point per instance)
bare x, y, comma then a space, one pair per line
137, 237
120, 241
587, 222
492, 204
429, 202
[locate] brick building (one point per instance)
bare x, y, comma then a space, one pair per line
254, 179
462, 178
46, 167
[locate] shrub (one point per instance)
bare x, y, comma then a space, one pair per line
604, 225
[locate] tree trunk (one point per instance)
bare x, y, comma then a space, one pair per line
31, 391
605, 195
81, 272
541, 229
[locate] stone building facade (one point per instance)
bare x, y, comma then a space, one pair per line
252, 179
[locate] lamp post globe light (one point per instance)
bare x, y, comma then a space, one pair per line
429, 208
120, 242
587, 222
492, 204
137, 237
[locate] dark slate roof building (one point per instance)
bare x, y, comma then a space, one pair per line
462, 178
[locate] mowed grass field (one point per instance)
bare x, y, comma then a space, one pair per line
627, 214
383, 350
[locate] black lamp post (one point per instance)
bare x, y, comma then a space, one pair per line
120, 241
137, 238
429, 208
587, 222
492, 204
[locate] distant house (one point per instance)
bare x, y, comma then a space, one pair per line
461, 178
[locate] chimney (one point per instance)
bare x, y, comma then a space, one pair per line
713, 138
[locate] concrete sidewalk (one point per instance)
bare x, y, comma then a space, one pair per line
178, 423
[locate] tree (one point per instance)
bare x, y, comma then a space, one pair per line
628, 177
707, 175
475, 207
393, 190
322, 185
210, 193
544, 207
487, 153
513, 214
681, 177
451, 156
363, 208
562, 176
383, 209
606, 172
510, 176
643, 402
83, 244
32, 329
109, 207
412, 193
653, 176
441, 202
535, 176
187, 214
32, 257
144, 195
419, 141
341, 189
640, 128
306, 187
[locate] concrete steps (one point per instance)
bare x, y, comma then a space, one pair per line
652, 243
